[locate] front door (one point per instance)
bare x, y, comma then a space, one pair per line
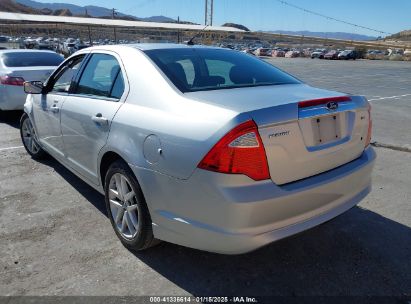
87, 113
48, 106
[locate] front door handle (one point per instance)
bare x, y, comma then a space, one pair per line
98, 118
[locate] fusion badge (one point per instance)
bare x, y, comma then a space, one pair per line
278, 134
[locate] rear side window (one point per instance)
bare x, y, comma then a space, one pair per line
201, 69
101, 77
29, 59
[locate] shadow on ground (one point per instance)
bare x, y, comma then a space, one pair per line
12, 118
359, 253
91, 195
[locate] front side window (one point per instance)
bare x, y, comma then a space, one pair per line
200, 69
101, 77
64, 78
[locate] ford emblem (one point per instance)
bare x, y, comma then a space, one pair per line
332, 106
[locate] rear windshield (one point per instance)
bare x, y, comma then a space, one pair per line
196, 69
29, 59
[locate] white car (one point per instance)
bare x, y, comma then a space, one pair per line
18, 66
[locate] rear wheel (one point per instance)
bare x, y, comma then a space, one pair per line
29, 138
127, 208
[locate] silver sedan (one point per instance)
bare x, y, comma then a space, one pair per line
204, 147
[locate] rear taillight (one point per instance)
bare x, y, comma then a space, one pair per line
321, 101
368, 140
10, 80
240, 151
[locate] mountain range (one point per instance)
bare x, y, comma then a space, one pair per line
90, 10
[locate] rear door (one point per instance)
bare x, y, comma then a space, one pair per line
89, 109
47, 106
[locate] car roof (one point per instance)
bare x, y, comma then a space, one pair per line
24, 51
150, 46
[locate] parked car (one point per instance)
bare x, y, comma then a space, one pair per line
292, 54
318, 54
204, 147
17, 66
333, 54
68, 47
43, 45
278, 53
248, 51
347, 54
29, 43
376, 54
263, 52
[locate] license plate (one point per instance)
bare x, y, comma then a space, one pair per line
326, 129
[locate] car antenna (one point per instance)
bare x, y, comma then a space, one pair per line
191, 41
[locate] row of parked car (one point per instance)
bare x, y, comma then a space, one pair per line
335, 54
64, 46
316, 53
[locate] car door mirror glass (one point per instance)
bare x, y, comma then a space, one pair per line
33, 87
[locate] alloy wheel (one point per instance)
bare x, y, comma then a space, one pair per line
123, 206
29, 136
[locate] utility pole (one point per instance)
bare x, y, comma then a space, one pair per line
209, 12
113, 16
178, 30
89, 36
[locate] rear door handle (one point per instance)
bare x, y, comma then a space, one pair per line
54, 109
98, 118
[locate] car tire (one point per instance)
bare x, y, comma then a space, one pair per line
128, 210
29, 138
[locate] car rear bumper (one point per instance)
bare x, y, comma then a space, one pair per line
12, 97
232, 214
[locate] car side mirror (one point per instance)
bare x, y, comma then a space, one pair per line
33, 87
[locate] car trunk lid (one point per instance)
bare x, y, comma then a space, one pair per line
300, 141
31, 73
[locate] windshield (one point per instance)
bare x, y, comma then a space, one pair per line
197, 69
28, 59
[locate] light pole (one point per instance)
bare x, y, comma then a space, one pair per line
114, 13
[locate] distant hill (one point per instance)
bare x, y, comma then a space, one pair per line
335, 35
159, 19
238, 26
62, 12
401, 36
92, 11
14, 7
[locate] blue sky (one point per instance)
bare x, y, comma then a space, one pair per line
388, 16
